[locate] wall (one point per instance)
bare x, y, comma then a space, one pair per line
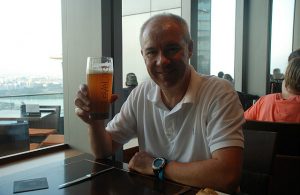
256, 46
81, 38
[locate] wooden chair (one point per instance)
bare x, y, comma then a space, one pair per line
259, 153
288, 135
39, 130
14, 137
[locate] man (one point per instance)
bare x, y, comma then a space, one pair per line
192, 121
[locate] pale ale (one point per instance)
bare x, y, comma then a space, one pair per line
99, 81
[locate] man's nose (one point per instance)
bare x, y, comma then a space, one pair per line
162, 59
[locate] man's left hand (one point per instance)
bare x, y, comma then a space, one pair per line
142, 163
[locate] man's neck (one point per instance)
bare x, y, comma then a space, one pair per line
173, 96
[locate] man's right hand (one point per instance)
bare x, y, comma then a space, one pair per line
82, 103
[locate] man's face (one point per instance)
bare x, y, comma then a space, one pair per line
165, 52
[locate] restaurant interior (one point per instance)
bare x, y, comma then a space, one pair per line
39, 140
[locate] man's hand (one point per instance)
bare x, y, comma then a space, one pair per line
83, 103
142, 163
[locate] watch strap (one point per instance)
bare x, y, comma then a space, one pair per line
161, 174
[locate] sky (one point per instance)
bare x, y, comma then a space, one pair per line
30, 37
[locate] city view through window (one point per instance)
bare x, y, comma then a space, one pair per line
31, 53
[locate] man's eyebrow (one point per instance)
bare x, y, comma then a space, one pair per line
173, 45
149, 49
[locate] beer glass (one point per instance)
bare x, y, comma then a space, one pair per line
99, 73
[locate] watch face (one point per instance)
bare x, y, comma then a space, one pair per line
158, 162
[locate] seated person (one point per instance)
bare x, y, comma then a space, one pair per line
229, 78
188, 125
280, 107
277, 75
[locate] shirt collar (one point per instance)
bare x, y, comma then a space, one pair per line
154, 94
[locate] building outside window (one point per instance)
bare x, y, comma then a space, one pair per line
216, 36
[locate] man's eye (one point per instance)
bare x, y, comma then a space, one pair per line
150, 53
172, 50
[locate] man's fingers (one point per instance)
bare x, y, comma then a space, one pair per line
82, 114
113, 98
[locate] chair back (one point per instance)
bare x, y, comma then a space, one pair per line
259, 153
14, 137
285, 178
288, 135
48, 122
247, 100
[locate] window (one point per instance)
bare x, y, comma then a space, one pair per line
31, 54
282, 34
215, 36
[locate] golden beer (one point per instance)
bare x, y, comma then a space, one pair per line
99, 81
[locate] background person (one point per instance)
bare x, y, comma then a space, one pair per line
284, 106
229, 78
220, 74
191, 121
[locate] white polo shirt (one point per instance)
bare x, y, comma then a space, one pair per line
209, 117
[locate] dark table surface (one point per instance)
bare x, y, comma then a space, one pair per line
116, 181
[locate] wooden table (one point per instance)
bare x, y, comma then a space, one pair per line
116, 181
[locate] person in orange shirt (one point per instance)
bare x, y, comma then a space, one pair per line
284, 106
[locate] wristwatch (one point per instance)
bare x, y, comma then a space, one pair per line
158, 166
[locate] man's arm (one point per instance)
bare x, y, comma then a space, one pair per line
221, 172
101, 142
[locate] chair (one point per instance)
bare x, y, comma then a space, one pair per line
14, 137
276, 86
259, 153
286, 173
288, 135
247, 99
39, 130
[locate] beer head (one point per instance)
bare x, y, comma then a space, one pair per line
99, 65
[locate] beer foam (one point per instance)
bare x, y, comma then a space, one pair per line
99, 68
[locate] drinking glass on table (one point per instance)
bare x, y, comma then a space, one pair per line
99, 72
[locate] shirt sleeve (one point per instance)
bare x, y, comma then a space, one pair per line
224, 124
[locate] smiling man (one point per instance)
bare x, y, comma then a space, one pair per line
188, 125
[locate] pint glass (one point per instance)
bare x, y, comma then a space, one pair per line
99, 73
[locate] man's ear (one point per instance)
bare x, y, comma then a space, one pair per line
191, 47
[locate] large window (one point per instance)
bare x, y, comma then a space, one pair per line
282, 34
31, 54
31, 50
215, 36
